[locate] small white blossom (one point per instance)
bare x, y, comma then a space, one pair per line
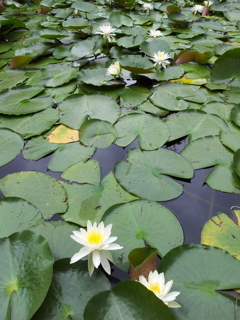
156, 283
114, 69
160, 59
147, 6
96, 242
107, 32
155, 33
197, 8
207, 3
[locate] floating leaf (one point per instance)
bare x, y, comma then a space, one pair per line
87, 47
89, 202
41, 190
151, 47
142, 261
76, 23
175, 96
118, 19
195, 123
16, 215
96, 77
133, 96
70, 291
128, 300
38, 147
63, 134
222, 232
85, 7
139, 221
237, 161
26, 274
136, 64
146, 173
226, 68
10, 78
69, 154
77, 108
152, 133
30, 125
131, 42
231, 137
11, 145
235, 115
199, 284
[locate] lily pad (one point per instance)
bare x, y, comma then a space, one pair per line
96, 77
26, 274
226, 70
222, 232
128, 300
38, 147
62, 135
235, 115
16, 215
11, 145
41, 190
139, 221
151, 131
199, 285
147, 173
77, 108
231, 137
70, 291
175, 96
195, 123
136, 64
151, 47
237, 161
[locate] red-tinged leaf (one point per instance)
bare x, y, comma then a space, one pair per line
173, 8
20, 61
185, 56
44, 10
142, 261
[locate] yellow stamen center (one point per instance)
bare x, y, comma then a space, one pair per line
95, 237
160, 55
155, 287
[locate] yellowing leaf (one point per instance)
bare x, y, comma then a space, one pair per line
223, 233
198, 82
63, 134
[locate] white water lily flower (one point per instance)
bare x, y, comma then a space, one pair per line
160, 59
155, 33
207, 3
107, 32
156, 283
96, 242
114, 69
147, 6
197, 8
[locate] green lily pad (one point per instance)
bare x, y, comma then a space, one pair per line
131, 41
52, 34
87, 47
89, 202
153, 46
226, 69
139, 221
151, 131
31, 125
97, 133
222, 232
231, 137
68, 154
127, 300
118, 19
195, 123
16, 215
136, 64
237, 161
175, 96
132, 96
41, 190
10, 78
57, 234
199, 285
26, 274
38, 147
77, 108
209, 151
76, 23
96, 77
11, 145
220, 109
172, 72
70, 291
235, 115
146, 173
85, 7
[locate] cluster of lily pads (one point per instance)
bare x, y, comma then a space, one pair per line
77, 76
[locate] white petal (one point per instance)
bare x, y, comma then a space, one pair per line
89, 226
171, 296
90, 264
167, 288
96, 258
108, 255
79, 255
114, 246
104, 262
143, 281
79, 240
173, 304
109, 240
